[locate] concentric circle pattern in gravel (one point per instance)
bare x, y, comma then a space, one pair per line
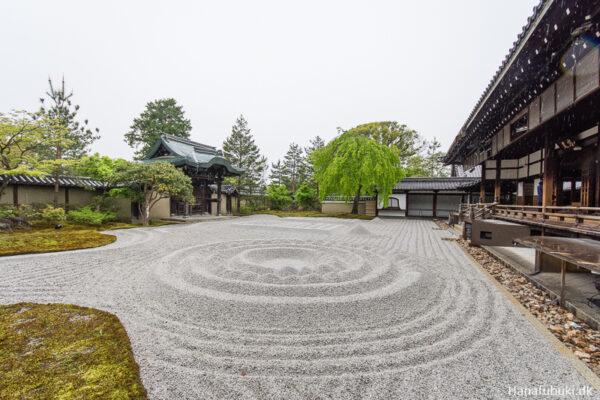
265, 307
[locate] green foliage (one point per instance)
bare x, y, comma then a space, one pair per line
433, 160
315, 144
97, 167
20, 135
50, 215
279, 196
245, 210
147, 183
294, 167
305, 195
352, 164
10, 211
160, 116
277, 175
430, 164
64, 112
240, 149
407, 142
88, 216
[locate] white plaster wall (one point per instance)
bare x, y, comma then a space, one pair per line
401, 200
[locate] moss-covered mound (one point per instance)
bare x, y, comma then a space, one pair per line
47, 239
58, 351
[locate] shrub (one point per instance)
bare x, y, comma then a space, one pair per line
305, 195
246, 210
50, 215
104, 203
279, 196
88, 216
9, 211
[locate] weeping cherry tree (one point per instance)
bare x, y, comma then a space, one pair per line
353, 164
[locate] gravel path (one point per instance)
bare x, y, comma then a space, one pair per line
264, 307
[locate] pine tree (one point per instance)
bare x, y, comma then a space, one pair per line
295, 168
435, 167
160, 116
240, 149
64, 112
315, 144
277, 175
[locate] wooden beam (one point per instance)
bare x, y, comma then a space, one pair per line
15, 194
435, 203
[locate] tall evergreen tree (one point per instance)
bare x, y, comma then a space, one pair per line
160, 116
240, 149
277, 175
295, 167
315, 144
433, 160
61, 109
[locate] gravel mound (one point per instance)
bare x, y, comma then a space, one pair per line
281, 308
359, 230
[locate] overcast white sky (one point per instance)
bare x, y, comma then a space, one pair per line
294, 69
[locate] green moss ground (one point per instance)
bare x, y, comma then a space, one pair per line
44, 239
280, 213
58, 351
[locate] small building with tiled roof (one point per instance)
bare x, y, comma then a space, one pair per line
413, 197
206, 166
428, 197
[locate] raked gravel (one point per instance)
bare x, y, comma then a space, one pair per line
286, 308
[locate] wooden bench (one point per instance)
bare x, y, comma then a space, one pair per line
584, 253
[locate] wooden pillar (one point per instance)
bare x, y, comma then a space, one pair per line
482, 189
435, 203
549, 174
15, 194
597, 162
497, 183
206, 203
219, 180
66, 198
563, 271
406, 212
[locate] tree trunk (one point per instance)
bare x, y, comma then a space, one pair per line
145, 213
56, 176
4, 185
355, 203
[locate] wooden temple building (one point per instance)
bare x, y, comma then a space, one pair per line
206, 166
533, 134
